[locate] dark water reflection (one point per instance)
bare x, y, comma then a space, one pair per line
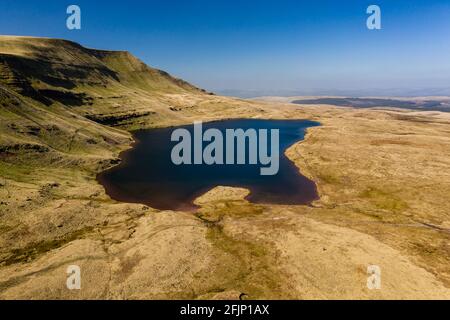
148, 176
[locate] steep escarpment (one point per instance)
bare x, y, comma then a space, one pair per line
99, 84
52, 63
55, 92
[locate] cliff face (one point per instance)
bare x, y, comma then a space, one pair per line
60, 65
57, 96
101, 84
70, 103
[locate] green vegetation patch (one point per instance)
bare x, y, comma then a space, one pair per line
241, 264
219, 209
34, 250
329, 178
384, 200
246, 266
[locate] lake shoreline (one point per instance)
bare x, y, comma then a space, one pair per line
124, 156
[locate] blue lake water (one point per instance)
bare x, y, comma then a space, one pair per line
147, 174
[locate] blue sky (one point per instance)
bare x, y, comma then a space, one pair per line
262, 46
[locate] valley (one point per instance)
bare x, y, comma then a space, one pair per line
66, 113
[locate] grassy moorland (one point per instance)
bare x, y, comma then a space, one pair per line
65, 114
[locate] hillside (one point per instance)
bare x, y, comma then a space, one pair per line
110, 87
56, 96
70, 66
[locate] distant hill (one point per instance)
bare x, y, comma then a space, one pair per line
414, 104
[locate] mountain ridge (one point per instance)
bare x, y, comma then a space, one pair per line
58, 96
52, 69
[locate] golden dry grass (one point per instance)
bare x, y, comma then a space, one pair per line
383, 179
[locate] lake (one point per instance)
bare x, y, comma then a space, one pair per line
147, 174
